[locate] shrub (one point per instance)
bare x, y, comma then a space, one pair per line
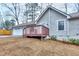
53, 37
77, 41
74, 41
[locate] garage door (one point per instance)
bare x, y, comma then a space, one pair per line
17, 32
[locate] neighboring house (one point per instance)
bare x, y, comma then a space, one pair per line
56, 20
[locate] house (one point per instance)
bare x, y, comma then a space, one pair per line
57, 21
34, 30
59, 24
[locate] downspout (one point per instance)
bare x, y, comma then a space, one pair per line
67, 28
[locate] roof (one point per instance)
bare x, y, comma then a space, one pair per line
28, 25
53, 8
35, 26
23, 25
74, 16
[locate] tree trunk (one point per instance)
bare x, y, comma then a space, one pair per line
66, 7
78, 7
17, 21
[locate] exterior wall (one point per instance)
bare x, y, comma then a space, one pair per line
44, 20
17, 32
54, 18
74, 28
51, 17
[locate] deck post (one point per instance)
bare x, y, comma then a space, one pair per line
41, 36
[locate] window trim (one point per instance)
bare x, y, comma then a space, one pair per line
58, 27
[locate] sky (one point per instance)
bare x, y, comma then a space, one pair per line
60, 6
70, 6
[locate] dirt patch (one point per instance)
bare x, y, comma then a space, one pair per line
45, 53
34, 47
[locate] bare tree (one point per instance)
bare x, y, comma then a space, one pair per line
15, 10
77, 6
31, 9
65, 7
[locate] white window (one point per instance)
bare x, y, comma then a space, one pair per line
60, 25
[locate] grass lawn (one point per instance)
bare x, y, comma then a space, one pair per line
34, 47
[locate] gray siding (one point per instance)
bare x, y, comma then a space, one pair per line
74, 27
54, 17
50, 18
44, 19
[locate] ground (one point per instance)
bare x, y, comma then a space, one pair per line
34, 47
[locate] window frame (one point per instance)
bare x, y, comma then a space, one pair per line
58, 25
